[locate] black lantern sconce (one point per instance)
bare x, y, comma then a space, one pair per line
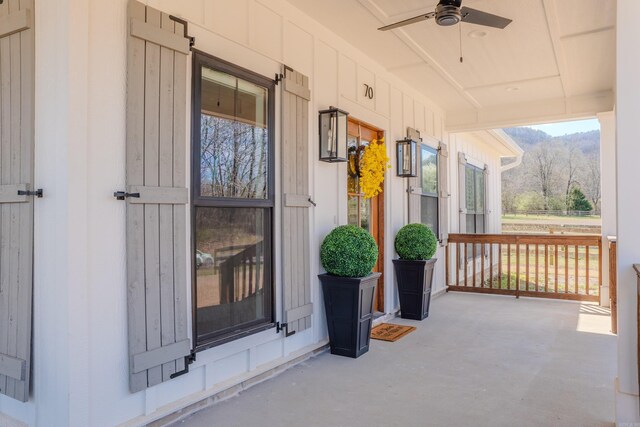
407, 151
333, 135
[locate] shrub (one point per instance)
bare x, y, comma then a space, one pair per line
349, 251
415, 241
578, 201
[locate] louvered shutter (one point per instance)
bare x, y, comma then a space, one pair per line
16, 211
443, 193
462, 192
157, 196
296, 271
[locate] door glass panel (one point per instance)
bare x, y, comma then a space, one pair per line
365, 213
352, 165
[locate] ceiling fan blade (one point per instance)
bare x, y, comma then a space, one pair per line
413, 20
473, 16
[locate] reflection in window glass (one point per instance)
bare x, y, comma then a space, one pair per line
429, 213
470, 189
234, 137
479, 191
429, 159
232, 268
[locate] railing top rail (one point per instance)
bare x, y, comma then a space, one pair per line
530, 239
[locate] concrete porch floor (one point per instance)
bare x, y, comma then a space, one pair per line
478, 360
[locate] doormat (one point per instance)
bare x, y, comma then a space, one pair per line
390, 332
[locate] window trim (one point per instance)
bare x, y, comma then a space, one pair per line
204, 59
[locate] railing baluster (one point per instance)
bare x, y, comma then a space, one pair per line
508, 265
500, 266
526, 282
458, 264
586, 248
576, 256
482, 263
517, 269
555, 254
546, 268
491, 265
464, 261
566, 269
537, 266
473, 263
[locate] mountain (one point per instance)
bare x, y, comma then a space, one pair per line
527, 139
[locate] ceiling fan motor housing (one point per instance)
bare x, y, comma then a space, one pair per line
448, 13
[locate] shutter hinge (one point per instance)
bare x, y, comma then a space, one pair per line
192, 40
312, 202
279, 77
121, 195
38, 193
188, 360
284, 327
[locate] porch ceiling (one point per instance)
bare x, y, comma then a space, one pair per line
556, 60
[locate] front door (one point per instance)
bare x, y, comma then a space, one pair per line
366, 213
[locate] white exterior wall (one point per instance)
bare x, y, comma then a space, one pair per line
479, 152
80, 330
628, 206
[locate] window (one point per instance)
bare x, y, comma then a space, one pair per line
233, 201
429, 188
474, 197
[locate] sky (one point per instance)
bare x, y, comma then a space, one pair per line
564, 128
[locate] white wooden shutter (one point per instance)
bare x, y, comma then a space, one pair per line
462, 192
16, 211
296, 270
156, 196
443, 193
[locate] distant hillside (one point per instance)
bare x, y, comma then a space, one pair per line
551, 167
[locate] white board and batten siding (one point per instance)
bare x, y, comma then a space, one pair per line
17, 59
156, 213
296, 263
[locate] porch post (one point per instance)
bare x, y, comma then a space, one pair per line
608, 193
628, 230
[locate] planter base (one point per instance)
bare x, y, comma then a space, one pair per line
414, 287
348, 303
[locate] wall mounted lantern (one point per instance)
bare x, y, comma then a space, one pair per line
407, 166
333, 135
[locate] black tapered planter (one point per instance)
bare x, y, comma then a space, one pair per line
414, 287
348, 302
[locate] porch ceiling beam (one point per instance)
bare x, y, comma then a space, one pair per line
415, 47
545, 111
558, 49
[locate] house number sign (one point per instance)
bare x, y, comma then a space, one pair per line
368, 91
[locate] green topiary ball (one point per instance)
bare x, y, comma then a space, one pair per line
349, 251
415, 241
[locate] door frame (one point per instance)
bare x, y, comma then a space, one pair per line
368, 132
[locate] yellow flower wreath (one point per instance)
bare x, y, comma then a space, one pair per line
373, 165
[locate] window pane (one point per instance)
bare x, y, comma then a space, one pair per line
234, 137
480, 191
233, 278
470, 189
429, 170
479, 224
429, 213
353, 165
352, 211
365, 213
471, 223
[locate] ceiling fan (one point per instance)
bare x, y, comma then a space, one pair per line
450, 12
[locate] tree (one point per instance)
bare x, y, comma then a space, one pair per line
578, 201
544, 169
591, 180
571, 168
